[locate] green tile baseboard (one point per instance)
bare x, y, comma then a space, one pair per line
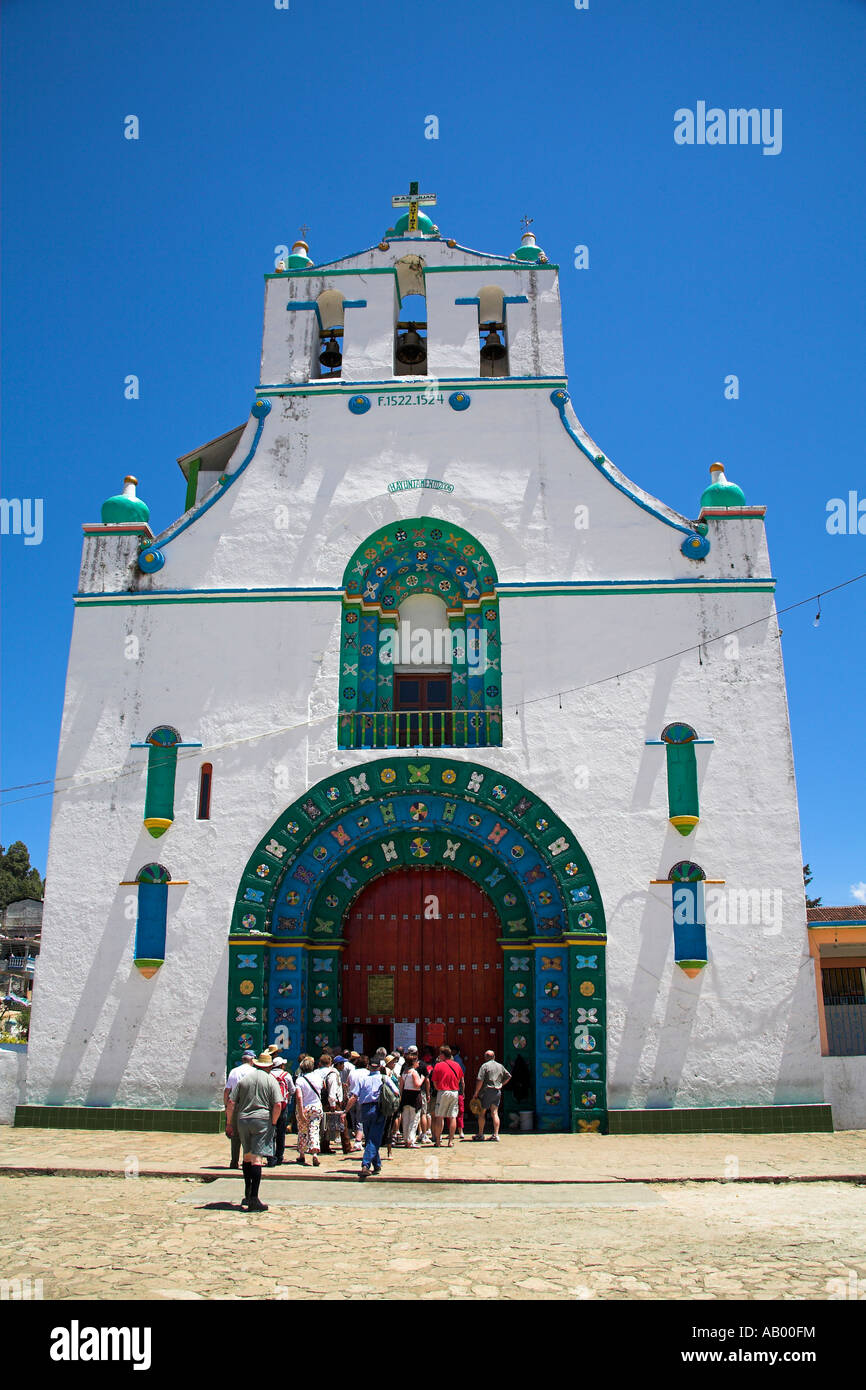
118, 1117
729, 1119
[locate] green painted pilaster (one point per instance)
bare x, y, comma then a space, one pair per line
322, 1005
385, 730
159, 796
459, 684
682, 772
492, 649
246, 999
587, 1009
518, 1013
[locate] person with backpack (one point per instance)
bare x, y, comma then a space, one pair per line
389, 1100
327, 1079
287, 1088
308, 1109
346, 1122
372, 1118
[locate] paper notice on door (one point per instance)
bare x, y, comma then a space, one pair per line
405, 1035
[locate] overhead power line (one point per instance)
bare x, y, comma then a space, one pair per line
112, 774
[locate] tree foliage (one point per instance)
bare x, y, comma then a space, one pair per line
807, 879
18, 879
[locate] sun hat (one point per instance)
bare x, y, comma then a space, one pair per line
265, 1061
249, 1053
339, 1059
279, 1062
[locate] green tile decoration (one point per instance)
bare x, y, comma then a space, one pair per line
735, 1119
118, 1118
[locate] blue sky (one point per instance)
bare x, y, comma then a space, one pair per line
147, 257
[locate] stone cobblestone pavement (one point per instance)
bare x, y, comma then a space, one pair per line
110, 1238
517, 1158
669, 1232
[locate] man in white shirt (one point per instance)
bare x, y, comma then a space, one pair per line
360, 1071
246, 1063
346, 1071
326, 1080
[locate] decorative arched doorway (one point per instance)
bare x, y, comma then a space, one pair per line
378, 817
422, 963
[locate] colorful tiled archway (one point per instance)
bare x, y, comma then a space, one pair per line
422, 555
400, 812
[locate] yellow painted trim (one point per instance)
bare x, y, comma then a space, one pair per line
860, 927
156, 825
148, 971
678, 881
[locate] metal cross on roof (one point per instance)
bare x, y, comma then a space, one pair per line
303, 229
414, 200
526, 223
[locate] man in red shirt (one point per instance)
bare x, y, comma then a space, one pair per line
447, 1079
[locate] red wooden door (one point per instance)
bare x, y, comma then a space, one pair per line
429, 697
435, 933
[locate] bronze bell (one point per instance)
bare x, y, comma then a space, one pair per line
494, 348
411, 348
332, 358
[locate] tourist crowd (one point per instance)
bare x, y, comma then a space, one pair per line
365, 1104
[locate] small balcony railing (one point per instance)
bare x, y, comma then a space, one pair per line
446, 728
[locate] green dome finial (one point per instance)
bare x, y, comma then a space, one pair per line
300, 257
125, 507
413, 221
720, 492
425, 226
528, 250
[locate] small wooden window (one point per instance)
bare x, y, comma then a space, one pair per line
844, 988
204, 785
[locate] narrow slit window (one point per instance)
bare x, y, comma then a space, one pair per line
204, 788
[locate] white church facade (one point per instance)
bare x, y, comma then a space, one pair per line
425, 722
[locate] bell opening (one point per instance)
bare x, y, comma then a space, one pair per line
410, 332
410, 348
493, 353
331, 354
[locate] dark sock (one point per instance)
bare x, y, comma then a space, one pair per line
248, 1178
255, 1179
